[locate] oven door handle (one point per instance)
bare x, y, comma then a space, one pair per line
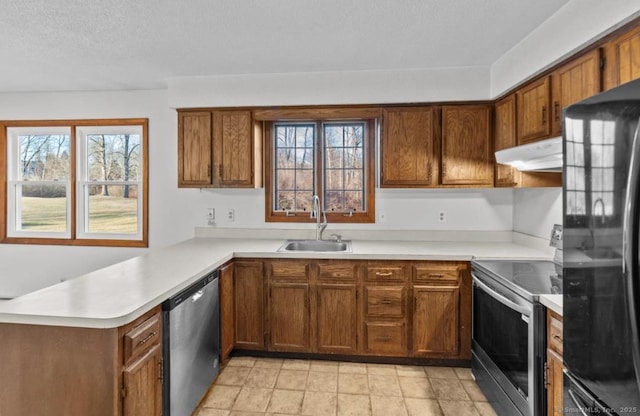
500, 298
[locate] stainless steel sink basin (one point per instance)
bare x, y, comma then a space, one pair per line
603, 253
316, 245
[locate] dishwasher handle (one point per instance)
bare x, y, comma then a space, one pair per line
193, 292
197, 296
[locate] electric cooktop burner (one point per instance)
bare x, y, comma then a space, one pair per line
528, 278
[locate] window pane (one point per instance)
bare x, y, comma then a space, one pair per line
333, 179
353, 201
113, 157
333, 201
286, 158
286, 179
353, 179
304, 180
113, 209
285, 200
294, 167
44, 157
42, 208
353, 157
303, 200
334, 136
333, 158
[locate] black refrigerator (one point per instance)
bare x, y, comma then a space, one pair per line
601, 270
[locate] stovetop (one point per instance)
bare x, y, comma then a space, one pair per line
527, 278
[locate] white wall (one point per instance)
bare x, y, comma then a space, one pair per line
574, 25
535, 210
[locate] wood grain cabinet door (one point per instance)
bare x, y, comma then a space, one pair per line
505, 137
336, 318
194, 149
233, 149
409, 147
534, 120
467, 152
554, 383
436, 321
143, 385
249, 305
227, 302
289, 317
626, 51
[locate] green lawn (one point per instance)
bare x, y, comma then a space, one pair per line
106, 214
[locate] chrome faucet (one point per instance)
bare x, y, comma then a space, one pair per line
592, 223
315, 213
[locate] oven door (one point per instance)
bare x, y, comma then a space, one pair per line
504, 327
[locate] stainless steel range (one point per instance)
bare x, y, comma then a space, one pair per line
508, 349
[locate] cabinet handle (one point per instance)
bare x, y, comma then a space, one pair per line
436, 275
384, 339
209, 170
220, 170
557, 337
147, 338
384, 274
385, 302
544, 114
160, 371
556, 112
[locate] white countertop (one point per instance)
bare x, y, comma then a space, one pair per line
553, 302
118, 294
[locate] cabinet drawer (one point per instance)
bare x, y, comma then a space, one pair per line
385, 273
336, 271
387, 301
435, 274
141, 338
385, 338
289, 269
555, 334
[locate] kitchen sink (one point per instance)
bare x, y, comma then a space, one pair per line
603, 253
316, 245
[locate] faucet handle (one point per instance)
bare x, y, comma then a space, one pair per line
338, 237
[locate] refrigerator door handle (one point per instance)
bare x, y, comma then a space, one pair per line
630, 247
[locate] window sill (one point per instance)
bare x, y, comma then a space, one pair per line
77, 242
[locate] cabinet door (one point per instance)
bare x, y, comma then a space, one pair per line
194, 149
467, 153
505, 137
336, 319
533, 111
627, 56
233, 146
289, 317
436, 321
554, 386
227, 325
574, 82
249, 305
409, 148
143, 385
385, 338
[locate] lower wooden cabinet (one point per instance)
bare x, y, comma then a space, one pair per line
288, 316
227, 312
249, 305
554, 366
142, 384
436, 320
336, 318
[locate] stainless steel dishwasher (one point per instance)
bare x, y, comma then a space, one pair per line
191, 345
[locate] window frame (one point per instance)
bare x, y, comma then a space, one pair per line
370, 134
77, 238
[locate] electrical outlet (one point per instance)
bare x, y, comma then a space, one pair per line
231, 214
382, 216
211, 214
441, 217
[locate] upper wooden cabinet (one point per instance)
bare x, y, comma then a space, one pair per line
467, 153
574, 82
505, 137
409, 147
533, 118
218, 149
626, 57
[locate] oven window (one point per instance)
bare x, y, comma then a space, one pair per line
503, 335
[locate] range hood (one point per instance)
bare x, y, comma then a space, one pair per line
542, 156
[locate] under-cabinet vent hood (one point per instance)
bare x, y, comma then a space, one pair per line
542, 156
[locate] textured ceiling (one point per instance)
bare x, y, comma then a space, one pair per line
59, 45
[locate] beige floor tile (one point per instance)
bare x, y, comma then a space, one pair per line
233, 376
473, 390
262, 377
317, 403
326, 382
448, 389
269, 363
205, 411
352, 368
485, 409
458, 408
410, 371
441, 372
292, 380
252, 399
354, 405
221, 397
384, 385
416, 387
463, 373
387, 406
286, 401
296, 365
241, 362
422, 407
236, 413
353, 383
382, 369
324, 366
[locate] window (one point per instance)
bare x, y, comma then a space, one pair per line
78, 182
333, 159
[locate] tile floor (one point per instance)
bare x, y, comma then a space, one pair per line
267, 386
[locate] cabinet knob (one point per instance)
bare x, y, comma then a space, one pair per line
556, 110
544, 114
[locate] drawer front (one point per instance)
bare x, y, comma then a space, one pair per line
555, 334
289, 269
385, 301
336, 271
385, 338
436, 274
142, 337
385, 273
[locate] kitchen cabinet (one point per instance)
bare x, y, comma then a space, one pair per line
623, 58
142, 387
467, 152
533, 120
554, 366
234, 149
409, 147
227, 302
336, 320
249, 305
194, 149
573, 82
